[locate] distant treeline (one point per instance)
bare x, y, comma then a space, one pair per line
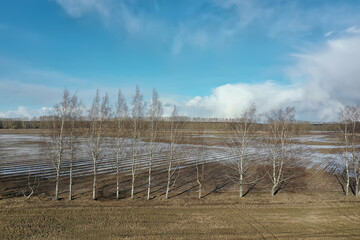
186, 123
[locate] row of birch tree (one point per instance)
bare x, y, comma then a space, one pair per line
108, 131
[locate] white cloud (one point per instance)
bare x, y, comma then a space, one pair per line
77, 8
115, 14
230, 99
353, 29
247, 11
323, 80
23, 112
328, 34
196, 38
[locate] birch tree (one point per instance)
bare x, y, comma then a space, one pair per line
239, 145
138, 109
155, 112
99, 113
200, 162
57, 141
279, 144
75, 113
349, 118
354, 148
121, 115
173, 169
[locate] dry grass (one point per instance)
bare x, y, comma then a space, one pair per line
22, 131
307, 215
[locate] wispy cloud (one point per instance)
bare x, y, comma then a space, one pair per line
353, 29
198, 39
244, 12
115, 14
220, 19
77, 8
328, 34
285, 21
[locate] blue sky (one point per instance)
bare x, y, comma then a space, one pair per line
211, 57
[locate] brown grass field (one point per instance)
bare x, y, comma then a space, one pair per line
305, 215
313, 206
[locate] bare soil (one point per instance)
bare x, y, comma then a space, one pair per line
304, 215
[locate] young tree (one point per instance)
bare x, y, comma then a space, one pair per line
200, 162
32, 187
349, 118
57, 143
99, 114
239, 145
173, 169
355, 150
155, 112
121, 115
279, 142
75, 113
138, 109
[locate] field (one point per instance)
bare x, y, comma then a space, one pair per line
311, 206
306, 215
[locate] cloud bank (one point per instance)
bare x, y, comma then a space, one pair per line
322, 81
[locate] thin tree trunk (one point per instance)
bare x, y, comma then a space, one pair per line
94, 183
70, 182
347, 161
134, 156
347, 179
171, 157
117, 177
274, 175
200, 189
168, 181
241, 186
57, 183
70, 175
151, 158
133, 173
71, 166
273, 189
241, 169
59, 159
169, 169
346, 164
198, 178
149, 180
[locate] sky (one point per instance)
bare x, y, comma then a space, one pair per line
212, 58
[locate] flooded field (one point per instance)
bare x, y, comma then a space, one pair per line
25, 155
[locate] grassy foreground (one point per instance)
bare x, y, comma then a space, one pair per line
307, 215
